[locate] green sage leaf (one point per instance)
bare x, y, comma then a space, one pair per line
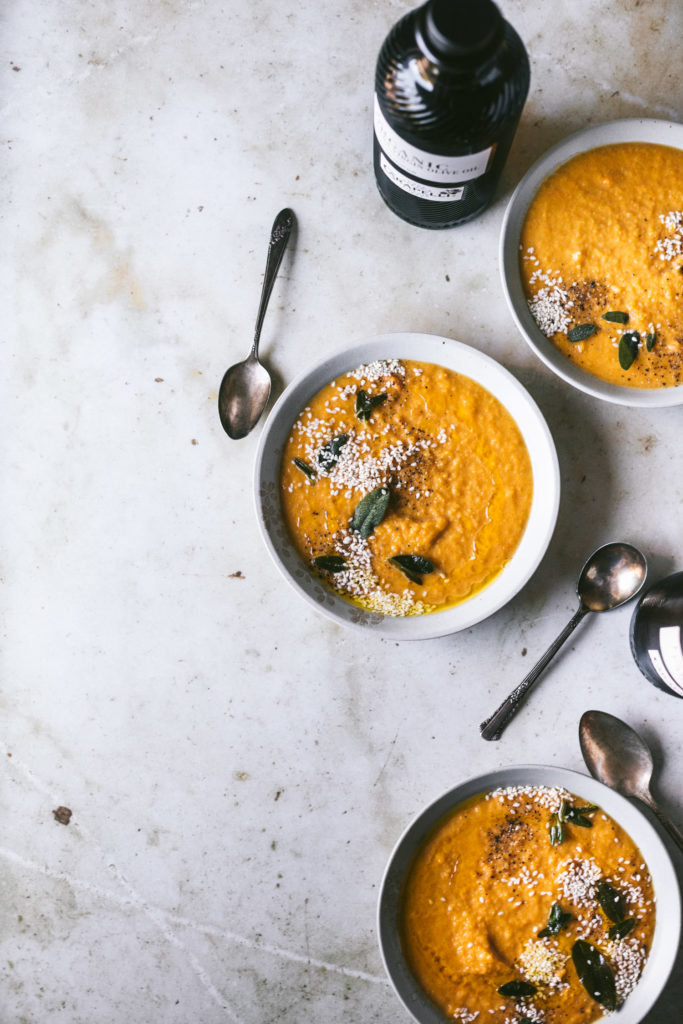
621, 929
556, 830
574, 817
628, 349
611, 901
615, 317
412, 566
330, 563
365, 404
370, 511
517, 988
305, 468
328, 455
650, 341
581, 332
557, 919
594, 974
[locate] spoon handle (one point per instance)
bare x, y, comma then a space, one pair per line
675, 834
279, 236
492, 728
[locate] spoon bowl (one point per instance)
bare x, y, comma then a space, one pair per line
245, 387
242, 396
612, 575
616, 755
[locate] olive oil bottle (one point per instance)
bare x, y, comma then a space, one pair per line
450, 84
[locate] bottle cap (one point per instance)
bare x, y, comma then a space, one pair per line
459, 28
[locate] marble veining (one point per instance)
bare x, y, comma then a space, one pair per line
237, 767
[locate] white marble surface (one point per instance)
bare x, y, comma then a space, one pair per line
238, 768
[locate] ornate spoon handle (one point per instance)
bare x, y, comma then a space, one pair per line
279, 236
667, 823
493, 727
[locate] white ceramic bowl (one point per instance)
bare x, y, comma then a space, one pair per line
666, 133
668, 922
465, 360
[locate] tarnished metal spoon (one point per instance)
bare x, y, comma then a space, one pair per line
612, 575
245, 388
616, 755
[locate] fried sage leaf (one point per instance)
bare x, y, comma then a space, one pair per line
556, 830
305, 468
611, 901
365, 404
628, 349
594, 974
581, 332
330, 563
370, 511
650, 341
412, 566
615, 317
329, 453
517, 988
557, 919
621, 929
578, 815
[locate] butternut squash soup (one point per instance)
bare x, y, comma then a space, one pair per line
405, 486
602, 263
527, 905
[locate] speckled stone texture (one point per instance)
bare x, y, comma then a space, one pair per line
237, 767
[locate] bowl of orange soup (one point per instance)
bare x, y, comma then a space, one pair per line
592, 261
530, 894
407, 485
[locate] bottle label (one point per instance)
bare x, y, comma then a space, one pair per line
445, 194
432, 168
668, 661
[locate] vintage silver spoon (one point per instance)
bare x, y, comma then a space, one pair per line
245, 388
612, 575
616, 755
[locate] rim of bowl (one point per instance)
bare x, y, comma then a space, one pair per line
461, 358
632, 129
662, 955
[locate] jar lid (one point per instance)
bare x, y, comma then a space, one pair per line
459, 28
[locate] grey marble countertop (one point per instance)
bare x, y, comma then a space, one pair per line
238, 768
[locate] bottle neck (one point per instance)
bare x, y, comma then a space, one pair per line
458, 37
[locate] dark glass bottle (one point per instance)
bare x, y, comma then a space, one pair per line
657, 634
451, 80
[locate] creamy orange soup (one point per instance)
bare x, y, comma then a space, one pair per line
405, 486
602, 263
512, 894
